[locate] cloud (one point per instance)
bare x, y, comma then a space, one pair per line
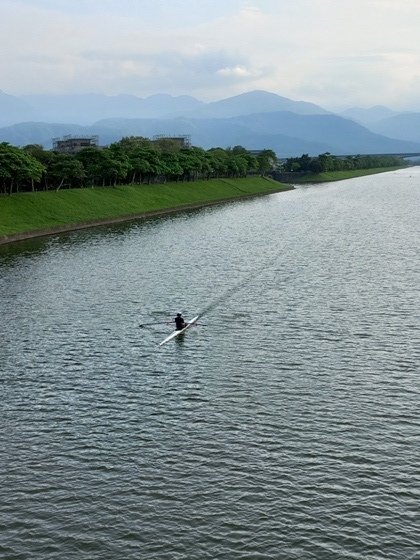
201, 70
363, 80
236, 72
323, 51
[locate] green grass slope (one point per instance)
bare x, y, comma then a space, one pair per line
328, 176
29, 212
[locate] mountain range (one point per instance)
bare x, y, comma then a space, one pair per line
256, 120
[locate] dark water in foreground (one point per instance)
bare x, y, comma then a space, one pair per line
285, 427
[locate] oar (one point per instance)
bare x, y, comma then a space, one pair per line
154, 324
167, 323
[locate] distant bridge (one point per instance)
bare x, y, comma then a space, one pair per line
402, 155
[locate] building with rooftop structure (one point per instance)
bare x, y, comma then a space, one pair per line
71, 144
181, 140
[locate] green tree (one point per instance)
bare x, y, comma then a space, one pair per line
103, 167
172, 166
18, 168
45, 157
266, 161
218, 159
65, 169
326, 162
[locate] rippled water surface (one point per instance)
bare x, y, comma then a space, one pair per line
286, 425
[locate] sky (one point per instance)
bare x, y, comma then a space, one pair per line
335, 53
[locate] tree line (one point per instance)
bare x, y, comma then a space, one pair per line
328, 162
132, 160
137, 160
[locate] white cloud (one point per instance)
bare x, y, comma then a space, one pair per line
237, 71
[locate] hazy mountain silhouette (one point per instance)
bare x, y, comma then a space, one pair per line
384, 121
404, 126
341, 136
254, 102
288, 134
210, 133
88, 108
367, 116
14, 110
26, 133
256, 119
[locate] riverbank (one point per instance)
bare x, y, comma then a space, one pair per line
328, 176
27, 215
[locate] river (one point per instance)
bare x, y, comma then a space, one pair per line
284, 425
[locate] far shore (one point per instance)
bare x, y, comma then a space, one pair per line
330, 176
32, 215
126, 218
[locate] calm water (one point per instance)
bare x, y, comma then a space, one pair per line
286, 425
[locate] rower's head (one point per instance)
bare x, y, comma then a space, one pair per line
178, 314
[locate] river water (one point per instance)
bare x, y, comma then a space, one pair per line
285, 425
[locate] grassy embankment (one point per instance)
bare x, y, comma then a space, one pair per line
328, 176
42, 211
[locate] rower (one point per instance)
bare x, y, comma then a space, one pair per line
179, 322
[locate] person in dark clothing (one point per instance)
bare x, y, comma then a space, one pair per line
179, 322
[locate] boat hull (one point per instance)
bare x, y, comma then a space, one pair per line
178, 332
